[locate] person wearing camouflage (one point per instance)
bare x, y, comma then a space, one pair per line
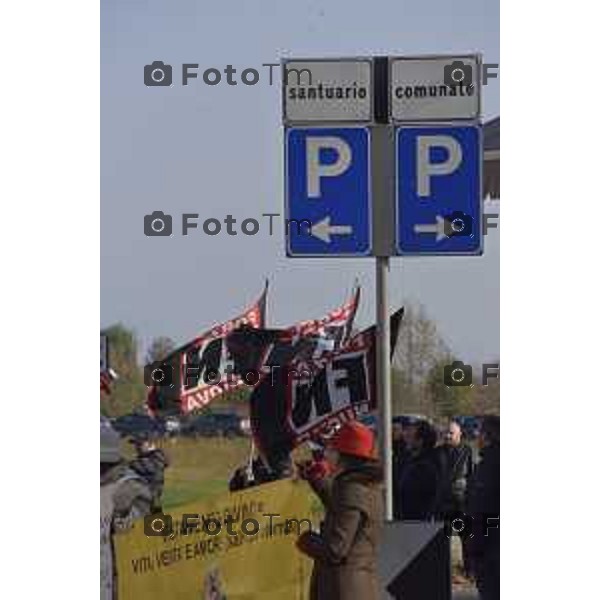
124, 497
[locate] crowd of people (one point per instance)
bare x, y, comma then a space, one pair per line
436, 478
439, 479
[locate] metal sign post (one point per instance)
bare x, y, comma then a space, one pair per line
384, 380
383, 168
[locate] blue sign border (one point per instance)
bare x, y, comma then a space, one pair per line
288, 250
437, 125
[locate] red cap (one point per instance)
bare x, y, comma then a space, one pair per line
355, 439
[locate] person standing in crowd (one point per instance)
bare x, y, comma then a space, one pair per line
256, 473
457, 466
124, 496
398, 444
150, 463
348, 481
483, 505
418, 479
400, 453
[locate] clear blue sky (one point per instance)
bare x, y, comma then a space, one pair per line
218, 151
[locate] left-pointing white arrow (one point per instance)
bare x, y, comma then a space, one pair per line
324, 230
437, 228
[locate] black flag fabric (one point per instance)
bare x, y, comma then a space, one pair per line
258, 352
305, 399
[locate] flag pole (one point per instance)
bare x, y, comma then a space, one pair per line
250, 465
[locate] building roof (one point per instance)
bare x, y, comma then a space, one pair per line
491, 134
491, 159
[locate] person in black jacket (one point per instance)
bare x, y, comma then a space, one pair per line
457, 465
247, 476
483, 505
418, 478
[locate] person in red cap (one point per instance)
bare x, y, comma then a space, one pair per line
348, 482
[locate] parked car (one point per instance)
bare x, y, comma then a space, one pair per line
470, 424
406, 420
370, 420
213, 425
172, 426
246, 426
136, 425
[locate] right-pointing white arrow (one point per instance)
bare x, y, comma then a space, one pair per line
324, 230
437, 228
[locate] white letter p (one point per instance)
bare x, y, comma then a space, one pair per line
315, 169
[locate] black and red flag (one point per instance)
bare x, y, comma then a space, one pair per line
304, 398
256, 352
198, 372
107, 375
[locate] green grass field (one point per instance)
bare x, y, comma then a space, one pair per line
200, 469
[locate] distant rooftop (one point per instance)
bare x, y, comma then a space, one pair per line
491, 159
491, 134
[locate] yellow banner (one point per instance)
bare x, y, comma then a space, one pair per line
241, 547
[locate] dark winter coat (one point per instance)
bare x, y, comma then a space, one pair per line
483, 504
457, 468
345, 550
418, 486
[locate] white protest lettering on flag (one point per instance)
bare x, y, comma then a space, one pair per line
200, 369
209, 374
308, 397
340, 388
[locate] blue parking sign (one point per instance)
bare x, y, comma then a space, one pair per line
328, 197
438, 190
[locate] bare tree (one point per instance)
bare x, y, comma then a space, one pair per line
160, 347
419, 349
128, 391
